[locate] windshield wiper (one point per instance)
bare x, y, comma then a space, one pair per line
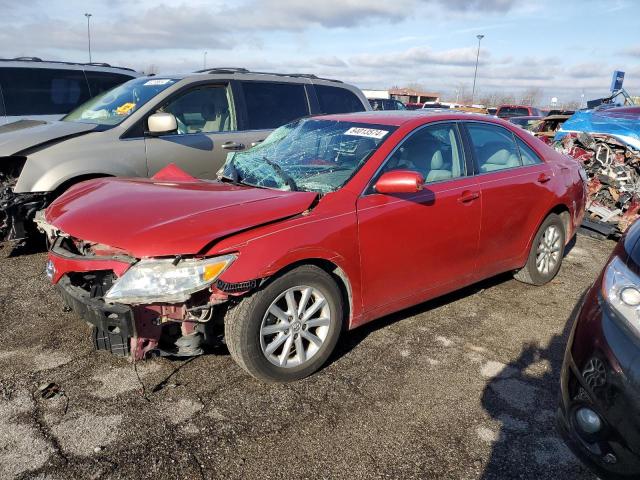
284, 175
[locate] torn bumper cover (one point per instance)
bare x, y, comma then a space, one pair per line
609, 150
17, 209
83, 273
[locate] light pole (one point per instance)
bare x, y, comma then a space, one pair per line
204, 61
88, 15
475, 74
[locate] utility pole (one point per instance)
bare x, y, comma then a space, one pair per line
475, 74
88, 15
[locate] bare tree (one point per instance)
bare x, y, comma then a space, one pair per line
531, 96
152, 69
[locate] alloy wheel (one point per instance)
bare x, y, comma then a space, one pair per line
549, 250
295, 326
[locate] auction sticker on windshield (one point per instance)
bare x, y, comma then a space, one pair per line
366, 132
158, 81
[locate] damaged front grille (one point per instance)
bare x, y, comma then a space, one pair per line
96, 283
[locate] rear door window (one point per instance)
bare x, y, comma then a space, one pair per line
102, 81
527, 155
337, 100
40, 91
270, 105
494, 147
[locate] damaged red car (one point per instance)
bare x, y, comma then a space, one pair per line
328, 224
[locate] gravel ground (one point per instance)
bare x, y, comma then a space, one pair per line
464, 387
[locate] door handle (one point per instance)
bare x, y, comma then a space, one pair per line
468, 196
543, 178
233, 146
257, 142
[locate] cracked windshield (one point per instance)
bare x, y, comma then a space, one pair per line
113, 106
307, 155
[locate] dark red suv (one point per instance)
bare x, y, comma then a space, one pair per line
508, 111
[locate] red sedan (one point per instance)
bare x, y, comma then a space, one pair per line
328, 224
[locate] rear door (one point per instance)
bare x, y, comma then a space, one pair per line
514, 185
264, 106
417, 246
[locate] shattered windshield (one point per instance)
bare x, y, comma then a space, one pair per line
113, 106
310, 154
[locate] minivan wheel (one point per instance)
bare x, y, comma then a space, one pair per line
546, 253
288, 329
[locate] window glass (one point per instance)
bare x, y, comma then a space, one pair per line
203, 110
270, 105
337, 100
309, 154
494, 147
115, 105
399, 105
528, 156
433, 151
42, 91
102, 81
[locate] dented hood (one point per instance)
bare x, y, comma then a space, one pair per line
26, 134
149, 218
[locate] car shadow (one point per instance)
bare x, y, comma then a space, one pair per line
350, 339
522, 400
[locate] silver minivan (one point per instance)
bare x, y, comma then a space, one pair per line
47, 90
141, 126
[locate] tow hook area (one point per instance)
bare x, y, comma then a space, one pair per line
17, 211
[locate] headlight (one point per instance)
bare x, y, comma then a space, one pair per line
162, 281
621, 289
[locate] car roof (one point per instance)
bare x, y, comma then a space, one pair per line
398, 118
35, 62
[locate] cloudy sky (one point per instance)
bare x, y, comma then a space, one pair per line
564, 47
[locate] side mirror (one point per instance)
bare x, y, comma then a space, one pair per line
400, 181
162, 122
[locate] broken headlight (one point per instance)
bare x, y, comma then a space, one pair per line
166, 281
621, 289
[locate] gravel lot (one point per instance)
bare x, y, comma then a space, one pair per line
463, 388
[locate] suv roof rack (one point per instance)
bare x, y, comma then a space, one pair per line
37, 59
244, 70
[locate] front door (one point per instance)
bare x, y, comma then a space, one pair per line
207, 131
416, 246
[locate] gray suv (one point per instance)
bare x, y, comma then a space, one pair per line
141, 126
46, 90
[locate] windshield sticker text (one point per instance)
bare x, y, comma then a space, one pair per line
366, 132
158, 81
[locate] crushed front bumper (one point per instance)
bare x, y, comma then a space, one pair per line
17, 211
113, 325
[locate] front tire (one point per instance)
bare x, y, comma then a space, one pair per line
287, 330
547, 251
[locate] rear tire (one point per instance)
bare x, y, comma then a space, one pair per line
298, 338
545, 256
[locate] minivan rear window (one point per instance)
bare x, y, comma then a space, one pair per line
337, 100
40, 91
270, 104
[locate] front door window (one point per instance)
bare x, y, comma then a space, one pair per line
203, 110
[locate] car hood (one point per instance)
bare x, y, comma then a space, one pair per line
152, 218
26, 134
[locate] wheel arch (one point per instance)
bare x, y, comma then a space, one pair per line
68, 183
337, 273
564, 213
